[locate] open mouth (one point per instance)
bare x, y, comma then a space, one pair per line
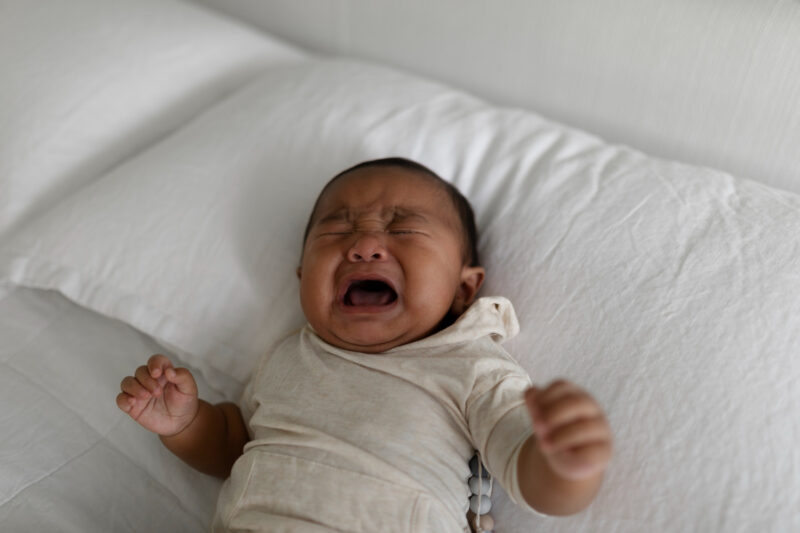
369, 293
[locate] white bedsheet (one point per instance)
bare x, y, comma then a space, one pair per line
70, 461
668, 291
88, 83
129, 182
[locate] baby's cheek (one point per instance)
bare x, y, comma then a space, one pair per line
311, 300
431, 301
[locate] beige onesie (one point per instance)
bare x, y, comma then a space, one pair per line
347, 441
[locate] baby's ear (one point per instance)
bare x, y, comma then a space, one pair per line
471, 281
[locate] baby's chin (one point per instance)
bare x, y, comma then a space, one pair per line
364, 342
377, 333
368, 338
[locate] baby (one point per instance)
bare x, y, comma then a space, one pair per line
366, 418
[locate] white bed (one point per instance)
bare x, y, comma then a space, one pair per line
70, 462
154, 181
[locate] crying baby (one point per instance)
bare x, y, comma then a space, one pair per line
366, 418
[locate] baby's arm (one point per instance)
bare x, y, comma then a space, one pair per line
164, 400
561, 470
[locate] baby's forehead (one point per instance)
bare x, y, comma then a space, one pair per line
393, 194
393, 213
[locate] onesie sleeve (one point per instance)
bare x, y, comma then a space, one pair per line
247, 404
499, 422
247, 401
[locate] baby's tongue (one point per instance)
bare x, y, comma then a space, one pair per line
370, 294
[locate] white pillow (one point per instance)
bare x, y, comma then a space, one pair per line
87, 83
196, 241
668, 291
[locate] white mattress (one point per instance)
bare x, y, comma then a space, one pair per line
69, 459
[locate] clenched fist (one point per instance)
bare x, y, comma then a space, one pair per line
571, 430
159, 397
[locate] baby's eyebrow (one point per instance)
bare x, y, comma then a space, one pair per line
402, 215
335, 216
392, 215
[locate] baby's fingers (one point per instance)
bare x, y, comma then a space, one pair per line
125, 401
569, 408
556, 390
132, 387
133, 398
144, 376
580, 463
183, 380
576, 434
157, 364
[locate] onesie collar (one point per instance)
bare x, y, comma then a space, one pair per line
489, 316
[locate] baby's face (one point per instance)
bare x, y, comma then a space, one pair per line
382, 264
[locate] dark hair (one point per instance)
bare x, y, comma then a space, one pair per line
460, 203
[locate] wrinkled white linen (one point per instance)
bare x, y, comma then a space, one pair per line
89, 83
669, 291
69, 459
713, 83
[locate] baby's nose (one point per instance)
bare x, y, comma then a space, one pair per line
367, 249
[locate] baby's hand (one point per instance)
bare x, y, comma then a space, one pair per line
161, 398
571, 430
